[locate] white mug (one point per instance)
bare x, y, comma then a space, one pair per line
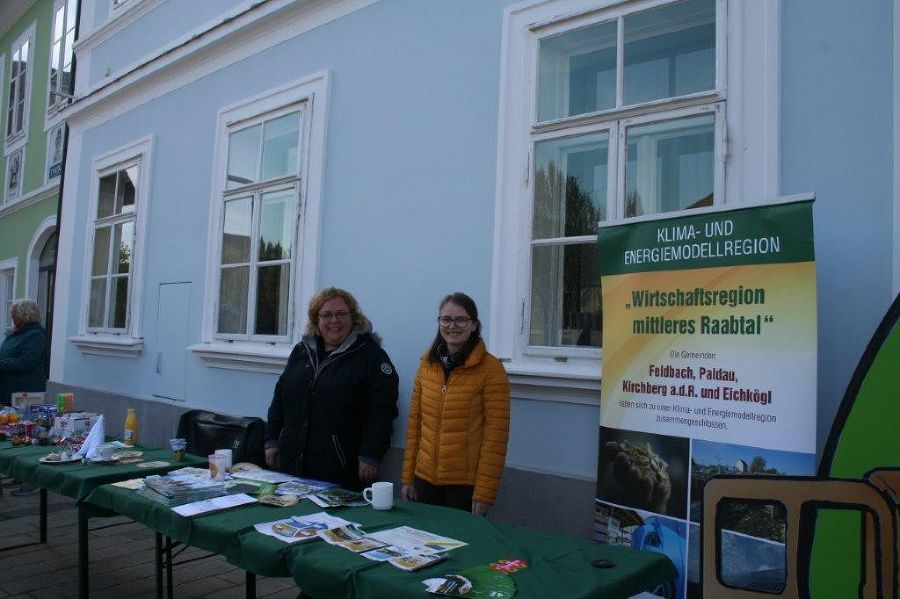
228, 456
380, 495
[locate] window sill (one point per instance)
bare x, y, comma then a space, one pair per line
244, 356
109, 345
564, 383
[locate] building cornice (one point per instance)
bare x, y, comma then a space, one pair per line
240, 33
45, 192
124, 17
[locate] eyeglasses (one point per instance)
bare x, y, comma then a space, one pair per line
334, 316
459, 321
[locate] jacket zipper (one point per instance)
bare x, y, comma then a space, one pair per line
339, 450
437, 444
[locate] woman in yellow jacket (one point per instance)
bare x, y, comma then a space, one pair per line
459, 416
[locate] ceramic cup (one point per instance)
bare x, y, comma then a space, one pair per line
380, 495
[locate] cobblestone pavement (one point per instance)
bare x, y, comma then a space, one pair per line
121, 558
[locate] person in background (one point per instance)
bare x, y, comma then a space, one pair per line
22, 354
333, 407
459, 416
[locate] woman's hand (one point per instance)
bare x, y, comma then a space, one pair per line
480, 508
408, 493
367, 473
271, 454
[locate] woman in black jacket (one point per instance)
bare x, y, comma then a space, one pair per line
22, 354
332, 411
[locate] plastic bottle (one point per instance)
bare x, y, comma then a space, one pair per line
131, 427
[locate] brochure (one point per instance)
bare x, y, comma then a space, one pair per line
350, 537
300, 528
383, 554
414, 562
418, 541
480, 581
303, 487
213, 505
264, 476
337, 498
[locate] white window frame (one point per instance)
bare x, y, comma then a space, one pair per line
745, 101
126, 342
18, 139
10, 264
254, 193
268, 353
56, 102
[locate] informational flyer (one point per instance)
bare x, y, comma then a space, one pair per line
709, 367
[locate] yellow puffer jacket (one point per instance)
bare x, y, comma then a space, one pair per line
458, 428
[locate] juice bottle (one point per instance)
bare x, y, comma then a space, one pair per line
131, 427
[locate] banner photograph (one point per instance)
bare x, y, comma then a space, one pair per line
709, 367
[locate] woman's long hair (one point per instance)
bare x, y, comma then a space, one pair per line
439, 346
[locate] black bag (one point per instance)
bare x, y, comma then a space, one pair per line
206, 432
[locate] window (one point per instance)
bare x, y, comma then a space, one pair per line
116, 227
612, 110
7, 293
63, 37
114, 224
19, 87
264, 219
258, 228
631, 73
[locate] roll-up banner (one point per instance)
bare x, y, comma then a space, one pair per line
709, 367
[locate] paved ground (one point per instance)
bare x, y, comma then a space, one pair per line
121, 559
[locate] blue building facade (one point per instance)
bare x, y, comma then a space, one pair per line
228, 159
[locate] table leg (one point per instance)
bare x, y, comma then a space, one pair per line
250, 584
170, 587
83, 554
159, 566
43, 515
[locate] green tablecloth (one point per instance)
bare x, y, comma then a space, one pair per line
78, 480
558, 566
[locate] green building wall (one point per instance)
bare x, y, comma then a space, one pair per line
18, 224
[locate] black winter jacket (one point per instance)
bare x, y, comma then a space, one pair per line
324, 417
22, 362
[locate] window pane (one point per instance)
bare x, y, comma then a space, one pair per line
101, 251
280, 143
272, 288
276, 225
58, 22
233, 300
670, 51
124, 244
752, 539
125, 191
236, 234
243, 157
98, 302
577, 72
106, 202
565, 296
670, 166
119, 302
570, 186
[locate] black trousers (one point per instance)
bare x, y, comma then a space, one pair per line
455, 496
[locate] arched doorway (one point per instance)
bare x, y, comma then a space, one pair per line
45, 286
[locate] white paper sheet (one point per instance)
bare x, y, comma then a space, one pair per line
213, 505
316, 522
